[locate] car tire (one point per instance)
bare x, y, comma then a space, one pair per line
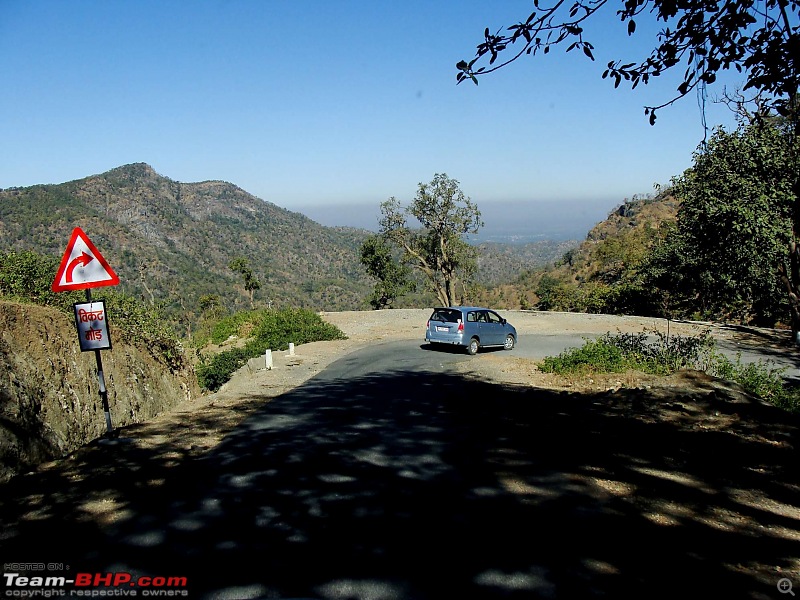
472, 347
509, 343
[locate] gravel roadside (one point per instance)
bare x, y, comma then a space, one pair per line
684, 409
195, 426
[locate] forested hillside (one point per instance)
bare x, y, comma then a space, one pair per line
503, 263
577, 279
591, 277
714, 245
172, 242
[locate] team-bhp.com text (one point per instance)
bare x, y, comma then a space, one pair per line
94, 585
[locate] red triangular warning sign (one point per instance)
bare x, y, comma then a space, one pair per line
82, 266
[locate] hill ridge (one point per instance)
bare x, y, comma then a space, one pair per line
176, 239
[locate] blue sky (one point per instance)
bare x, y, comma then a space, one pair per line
306, 103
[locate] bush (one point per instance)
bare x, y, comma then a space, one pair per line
636, 352
141, 324
27, 277
277, 328
217, 370
271, 330
593, 356
614, 353
761, 379
231, 325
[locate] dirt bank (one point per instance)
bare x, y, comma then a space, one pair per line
696, 466
200, 423
49, 396
51, 403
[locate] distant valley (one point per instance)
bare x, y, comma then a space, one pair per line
505, 222
171, 243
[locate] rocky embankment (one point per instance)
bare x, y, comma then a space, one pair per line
50, 403
49, 396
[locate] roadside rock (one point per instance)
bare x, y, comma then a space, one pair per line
49, 395
50, 405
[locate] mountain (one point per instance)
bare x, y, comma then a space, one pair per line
612, 252
619, 243
500, 263
172, 242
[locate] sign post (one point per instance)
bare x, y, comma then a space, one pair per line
83, 267
92, 325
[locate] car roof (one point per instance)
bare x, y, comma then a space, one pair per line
462, 308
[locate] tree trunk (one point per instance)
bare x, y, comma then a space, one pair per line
790, 276
441, 296
448, 290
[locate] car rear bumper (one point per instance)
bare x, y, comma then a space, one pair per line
453, 340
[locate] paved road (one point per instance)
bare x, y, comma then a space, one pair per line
539, 346
388, 477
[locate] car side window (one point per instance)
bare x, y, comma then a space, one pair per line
494, 317
471, 317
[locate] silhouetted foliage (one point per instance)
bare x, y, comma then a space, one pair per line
759, 39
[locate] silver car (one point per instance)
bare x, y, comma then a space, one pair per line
472, 327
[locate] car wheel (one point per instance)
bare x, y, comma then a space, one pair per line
509, 343
472, 349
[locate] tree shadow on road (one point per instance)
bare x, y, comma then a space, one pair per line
420, 486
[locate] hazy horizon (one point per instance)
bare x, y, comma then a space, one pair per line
301, 102
515, 221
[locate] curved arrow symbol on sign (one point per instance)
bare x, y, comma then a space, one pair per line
81, 252
82, 260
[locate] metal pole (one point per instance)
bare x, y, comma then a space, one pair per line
102, 380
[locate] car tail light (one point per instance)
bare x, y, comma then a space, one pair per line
460, 327
428, 324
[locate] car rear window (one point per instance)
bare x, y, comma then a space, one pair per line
446, 315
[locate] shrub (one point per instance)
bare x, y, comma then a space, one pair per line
760, 378
142, 324
271, 330
215, 371
27, 277
593, 356
231, 325
276, 328
614, 353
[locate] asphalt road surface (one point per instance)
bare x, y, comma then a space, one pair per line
539, 346
389, 477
